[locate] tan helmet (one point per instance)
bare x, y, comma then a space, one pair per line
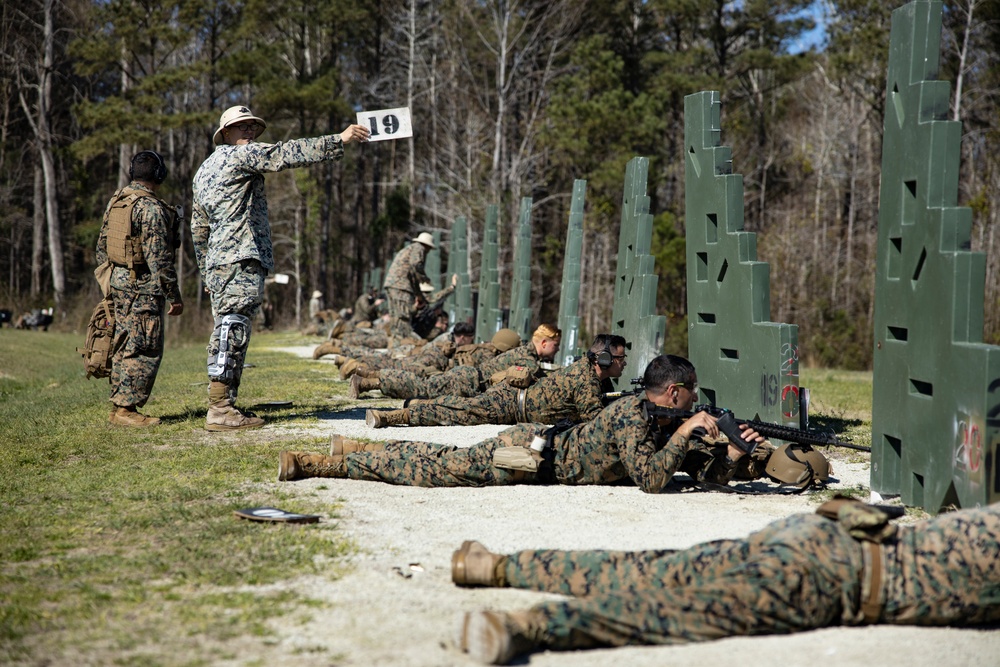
506, 339
234, 115
798, 465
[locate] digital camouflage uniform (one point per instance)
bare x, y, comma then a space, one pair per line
572, 393
615, 445
402, 285
230, 228
798, 573
432, 357
365, 309
424, 320
363, 341
140, 300
469, 377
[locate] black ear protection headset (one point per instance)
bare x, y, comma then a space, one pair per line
159, 174
604, 358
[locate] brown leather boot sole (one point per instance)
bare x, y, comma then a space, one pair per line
485, 637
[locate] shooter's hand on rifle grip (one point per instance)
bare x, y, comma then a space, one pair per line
742, 436
702, 421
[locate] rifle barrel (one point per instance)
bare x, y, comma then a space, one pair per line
802, 437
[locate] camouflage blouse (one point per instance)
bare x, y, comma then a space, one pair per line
229, 212
619, 444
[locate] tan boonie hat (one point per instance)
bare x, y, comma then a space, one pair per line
234, 116
426, 239
317, 294
426, 288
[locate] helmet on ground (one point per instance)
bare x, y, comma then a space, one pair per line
506, 339
798, 465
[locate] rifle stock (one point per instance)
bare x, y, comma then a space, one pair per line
768, 430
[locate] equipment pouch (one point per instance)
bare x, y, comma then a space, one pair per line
97, 349
867, 523
515, 458
520, 377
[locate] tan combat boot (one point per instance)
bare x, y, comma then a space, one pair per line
339, 445
300, 465
348, 367
338, 329
360, 385
383, 418
472, 564
224, 416
496, 638
129, 416
366, 371
325, 348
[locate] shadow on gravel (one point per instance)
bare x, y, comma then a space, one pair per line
357, 413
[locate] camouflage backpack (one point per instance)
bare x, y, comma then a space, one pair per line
96, 351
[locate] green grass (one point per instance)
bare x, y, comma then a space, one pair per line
841, 401
112, 537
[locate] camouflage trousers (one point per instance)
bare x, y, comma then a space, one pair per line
458, 381
400, 307
428, 464
365, 340
386, 362
799, 573
138, 347
496, 406
236, 289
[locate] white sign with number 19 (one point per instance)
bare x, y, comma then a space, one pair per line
387, 123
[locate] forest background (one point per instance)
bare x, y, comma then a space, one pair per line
509, 98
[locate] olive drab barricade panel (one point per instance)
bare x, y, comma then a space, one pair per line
745, 362
373, 280
432, 263
459, 304
936, 392
489, 318
520, 291
634, 312
569, 296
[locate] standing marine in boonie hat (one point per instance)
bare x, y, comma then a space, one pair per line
402, 284
232, 241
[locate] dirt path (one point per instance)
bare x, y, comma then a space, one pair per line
396, 604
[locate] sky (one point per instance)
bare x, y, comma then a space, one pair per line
815, 37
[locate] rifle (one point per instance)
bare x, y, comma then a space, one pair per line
730, 425
609, 396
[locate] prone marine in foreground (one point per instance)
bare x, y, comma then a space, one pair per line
845, 565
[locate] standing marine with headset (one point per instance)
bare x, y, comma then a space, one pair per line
139, 240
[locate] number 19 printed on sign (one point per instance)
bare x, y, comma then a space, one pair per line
387, 123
